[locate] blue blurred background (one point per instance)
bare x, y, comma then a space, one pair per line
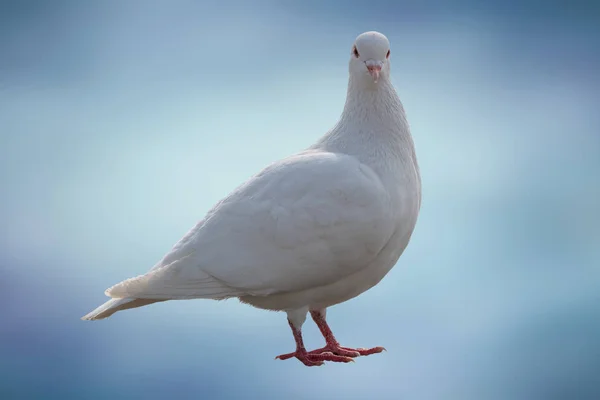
123, 122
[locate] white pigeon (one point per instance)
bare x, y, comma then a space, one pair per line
309, 231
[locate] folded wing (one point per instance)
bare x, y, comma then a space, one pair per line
306, 221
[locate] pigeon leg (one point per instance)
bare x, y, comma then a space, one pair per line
310, 360
332, 345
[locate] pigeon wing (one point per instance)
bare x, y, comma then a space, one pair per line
305, 221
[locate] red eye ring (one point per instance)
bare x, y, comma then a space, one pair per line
388, 54
355, 52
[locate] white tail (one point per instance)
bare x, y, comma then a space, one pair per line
113, 305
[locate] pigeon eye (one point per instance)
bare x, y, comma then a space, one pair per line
388, 54
355, 52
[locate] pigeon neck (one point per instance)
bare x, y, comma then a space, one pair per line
372, 127
373, 104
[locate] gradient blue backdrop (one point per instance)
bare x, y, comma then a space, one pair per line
122, 122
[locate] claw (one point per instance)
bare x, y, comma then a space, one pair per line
310, 359
346, 351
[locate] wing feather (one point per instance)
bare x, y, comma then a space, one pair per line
306, 221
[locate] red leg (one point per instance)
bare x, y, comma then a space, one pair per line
332, 345
309, 359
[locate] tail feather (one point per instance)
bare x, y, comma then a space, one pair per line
113, 305
173, 281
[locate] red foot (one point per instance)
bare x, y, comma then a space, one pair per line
311, 360
346, 351
332, 345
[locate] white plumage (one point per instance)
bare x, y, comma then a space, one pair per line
311, 230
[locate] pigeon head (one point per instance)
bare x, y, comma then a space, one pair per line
370, 57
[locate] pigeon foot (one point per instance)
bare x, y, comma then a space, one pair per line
316, 359
332, 345
338, 350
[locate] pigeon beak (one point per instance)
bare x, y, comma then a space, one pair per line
374, 68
